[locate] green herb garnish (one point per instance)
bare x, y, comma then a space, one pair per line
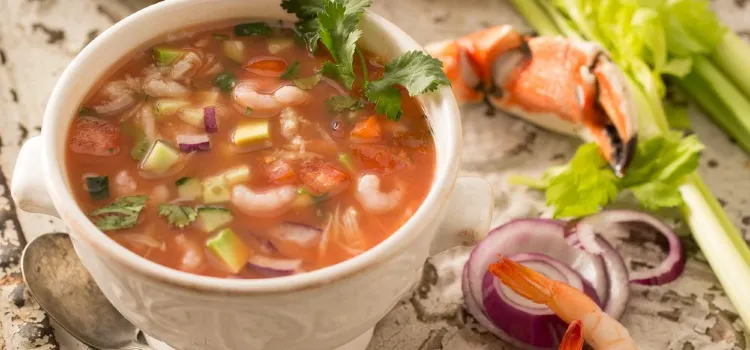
121, 214
86, 111
341, 103
178, 216
255, 28
225, 81
248, 111
416, 71
307, 83
219, 36
587, 184
292, 71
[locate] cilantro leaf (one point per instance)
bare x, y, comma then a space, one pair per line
586, 184
121, 214
291, 72
250, 29
178, 216
339, 34
340, 103
307, 27
416, 71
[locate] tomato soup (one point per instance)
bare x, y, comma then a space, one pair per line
225, 152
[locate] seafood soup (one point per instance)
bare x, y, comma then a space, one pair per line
225, 152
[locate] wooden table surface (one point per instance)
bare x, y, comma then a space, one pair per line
38, 38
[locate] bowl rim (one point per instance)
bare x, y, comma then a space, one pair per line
82, 229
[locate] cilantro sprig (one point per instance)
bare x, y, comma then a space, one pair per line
119, 215
178, 216
335, 23
586, 184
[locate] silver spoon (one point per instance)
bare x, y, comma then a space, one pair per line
64, 288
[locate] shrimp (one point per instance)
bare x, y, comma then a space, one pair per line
246, 96
600, 330
125, 184
192, 254
160, 87
573, 338
118, 96
270, 202
372, 199
289, 121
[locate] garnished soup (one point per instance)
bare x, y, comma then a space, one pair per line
232, 152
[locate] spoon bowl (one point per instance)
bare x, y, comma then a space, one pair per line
64, 288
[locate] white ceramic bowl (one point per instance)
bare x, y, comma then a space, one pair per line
322, 309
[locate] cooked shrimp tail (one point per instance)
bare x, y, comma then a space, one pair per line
600, 330
573, 339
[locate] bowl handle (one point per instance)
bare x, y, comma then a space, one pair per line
28, 185
467, 219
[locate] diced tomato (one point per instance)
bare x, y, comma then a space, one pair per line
266, 66
367, 130
381, 158
95, 137
321, 177
280, 172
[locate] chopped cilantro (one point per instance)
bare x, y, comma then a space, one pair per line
307, 83
587, 184
340, 103
219, 36
416, 71
121, 214
339, 33
255, 28
292, 71
178, 216
225, 81
248, 111
308, 27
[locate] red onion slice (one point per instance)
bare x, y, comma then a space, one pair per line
605, 223
300, 234
617, 277
526, 321
535, 236
274, 266
209, 119
191, 143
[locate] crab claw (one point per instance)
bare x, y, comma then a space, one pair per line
564, 85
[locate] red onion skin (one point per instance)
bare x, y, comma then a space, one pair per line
619, 283
188, 147
209, 119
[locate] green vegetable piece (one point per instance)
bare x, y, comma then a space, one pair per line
225, 81
219, 36
277, 45
97, 187
234, 50
339, 32
192, 116
86, 111
346, 160
177, 215
212, 218
248, 111
167, 107
255, 28
230, 249
251, 133
416, 71
216, 190
160, 158
341, 103
291, 71
140, 147
307, 83
188, 188
166, 56
119, 215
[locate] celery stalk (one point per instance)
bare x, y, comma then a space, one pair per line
731, 57
721, 243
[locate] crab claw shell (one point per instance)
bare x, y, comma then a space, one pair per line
460, 70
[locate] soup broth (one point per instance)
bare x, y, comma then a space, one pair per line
225, 153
